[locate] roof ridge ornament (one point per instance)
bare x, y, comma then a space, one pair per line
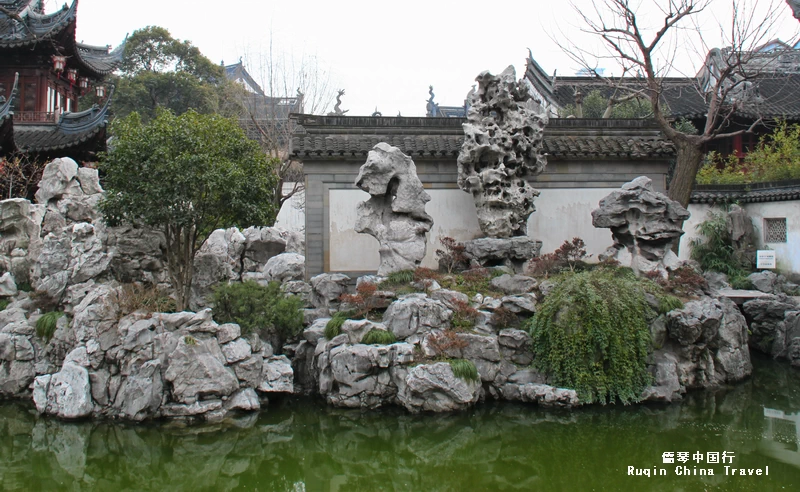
337, 110
432, 107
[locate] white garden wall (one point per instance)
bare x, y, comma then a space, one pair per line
788, 253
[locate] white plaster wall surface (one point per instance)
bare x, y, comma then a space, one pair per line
564, 213
787, 254
699, 213
292, 215
349, 251
561, 215
453, 213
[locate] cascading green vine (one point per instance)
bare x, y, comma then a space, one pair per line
591, 334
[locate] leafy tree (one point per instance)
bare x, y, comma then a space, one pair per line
153, 49
186, 175
159, 71
776, 158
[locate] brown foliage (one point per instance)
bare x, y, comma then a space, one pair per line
464, 315
19, 176
569, 255
453, 256
146, 297
504, 318
446, 343
363, 300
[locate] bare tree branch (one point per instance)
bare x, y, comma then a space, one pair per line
727, 74
11, 14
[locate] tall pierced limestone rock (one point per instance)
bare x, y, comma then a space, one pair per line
502, 148
395, 213
643, 221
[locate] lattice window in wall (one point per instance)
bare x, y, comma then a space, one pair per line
775, 230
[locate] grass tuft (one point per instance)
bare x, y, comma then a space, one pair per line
379, 337
334, 327
46, 325
464, 369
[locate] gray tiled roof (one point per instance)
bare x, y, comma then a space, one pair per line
72, 130
430, 137
45, 138
36, 27
99, 59
759, 192
60, 27
774, 93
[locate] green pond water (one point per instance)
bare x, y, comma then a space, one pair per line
303, 445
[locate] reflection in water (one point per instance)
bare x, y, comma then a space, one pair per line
782, 436
302, 445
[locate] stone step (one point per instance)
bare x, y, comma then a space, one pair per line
740, 296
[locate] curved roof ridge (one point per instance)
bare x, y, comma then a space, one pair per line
85, 120
98, 58
36, 26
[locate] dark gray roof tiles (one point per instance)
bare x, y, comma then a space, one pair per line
753, 193
36, 26
72, 130
98, 58
770, 95
45, 138
430, 137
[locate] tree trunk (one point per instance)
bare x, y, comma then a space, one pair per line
689, 159
180, 262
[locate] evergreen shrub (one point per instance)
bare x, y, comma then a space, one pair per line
714, 250
591, 334
259, 308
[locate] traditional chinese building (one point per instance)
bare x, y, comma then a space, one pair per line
266, 118
765, 91
43, 73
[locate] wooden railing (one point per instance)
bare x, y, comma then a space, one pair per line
34, 117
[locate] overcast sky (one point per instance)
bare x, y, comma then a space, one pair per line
385, 55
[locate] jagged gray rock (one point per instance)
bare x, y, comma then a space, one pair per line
395, 212
514, 284
434, 388
327, 288
59, 178
770, 282
285, 267
68, 392
510, 252
414, 316
362, 376
743, 236
195, 371
708, 341
8, 285
644, 222
502, 149
277, 375
773, 328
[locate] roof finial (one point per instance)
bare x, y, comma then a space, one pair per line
337, 110
432, 108
376, 113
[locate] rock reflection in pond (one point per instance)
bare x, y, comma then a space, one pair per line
305, 445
